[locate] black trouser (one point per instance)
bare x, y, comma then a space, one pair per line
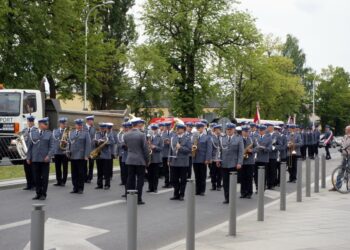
78, 174
189, 174
278, 173
89, 170
61, 166
303, 151
316, 149
29, 172
153, 175
271, 173
310, 151
200, 173
103, 172
256, 172
247, 179
41, 174
328, 155
123, 171
166, 172
110, 167
216, 176
226, 181
292, 167
136, 171
179, 180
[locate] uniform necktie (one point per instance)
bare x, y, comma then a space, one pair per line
76, 133
41, 132
229, 139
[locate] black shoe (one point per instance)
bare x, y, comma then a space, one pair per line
218, 189
57, 184
249, 196
124, 195
27, 188
202, 194
155, 191
149, 191
213, 189
99, 187
88, 181
141, 203
36, 197
63, 184
225, 202
80, 191
181, 198
290, 181
42, 198
74, 192
166, 186
243, 196
107, 187
174, 198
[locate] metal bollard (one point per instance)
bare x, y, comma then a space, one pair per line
132, 219
261, 190
37, 228
317, 175
299, 180
308, 178
323, 171
283, 186
191, 215
233, 204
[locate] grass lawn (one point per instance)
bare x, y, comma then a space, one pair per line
16, 171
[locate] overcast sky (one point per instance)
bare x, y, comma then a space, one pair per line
322, 26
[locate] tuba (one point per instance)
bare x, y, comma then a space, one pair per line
64, 139
21, 145
97, 151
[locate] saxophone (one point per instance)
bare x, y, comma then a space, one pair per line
246, 151
97, 151
64, 139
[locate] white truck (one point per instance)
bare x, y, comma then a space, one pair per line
17, 104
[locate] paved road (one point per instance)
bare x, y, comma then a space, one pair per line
161, 221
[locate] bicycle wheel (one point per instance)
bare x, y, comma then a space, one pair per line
340, 180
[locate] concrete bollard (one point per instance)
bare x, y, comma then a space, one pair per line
323, 171
308, 178
299, 180
233, 204
283, 186
191, 215
261, 190
317, 175
37, 228
132, 219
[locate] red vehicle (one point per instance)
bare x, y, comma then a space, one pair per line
171, 119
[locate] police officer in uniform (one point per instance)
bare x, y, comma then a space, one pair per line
89, 168
28, 168
103, 161
201, 158
80, 148
231, 156
179, 153
189, 127
166, 136
263, 149
40, 152
316, 139
127, 127
137, 158
294, 143
328, 138
156, 145
109, 127
119, 152
271, 170
282, 152
61, 160
216, 176
247, 170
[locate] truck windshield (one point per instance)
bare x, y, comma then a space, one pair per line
10, 104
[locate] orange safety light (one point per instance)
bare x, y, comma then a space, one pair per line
16, 127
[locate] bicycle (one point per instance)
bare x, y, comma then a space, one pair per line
341, 175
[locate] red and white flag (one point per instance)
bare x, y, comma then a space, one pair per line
257, 115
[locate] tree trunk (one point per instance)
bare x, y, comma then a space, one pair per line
52, 86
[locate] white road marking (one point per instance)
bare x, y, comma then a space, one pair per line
169, 190
14, 224
272, 194
105, 204
64, 235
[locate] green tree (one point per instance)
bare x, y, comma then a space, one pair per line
190, 34
333, 94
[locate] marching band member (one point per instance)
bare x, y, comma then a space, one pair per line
231, 157
189, 127
104, 139
179, 153
271, 170
156, 145
28, 168
120, 151
61, 159
249, 143
263, 148
89, 127
201, 157
40, 152
80, 148
109, 127
281, 146
316, 140
294, 142
166, 136
328, 138
216, 175
137, 157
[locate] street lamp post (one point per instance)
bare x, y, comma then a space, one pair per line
86, 46
313, 102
